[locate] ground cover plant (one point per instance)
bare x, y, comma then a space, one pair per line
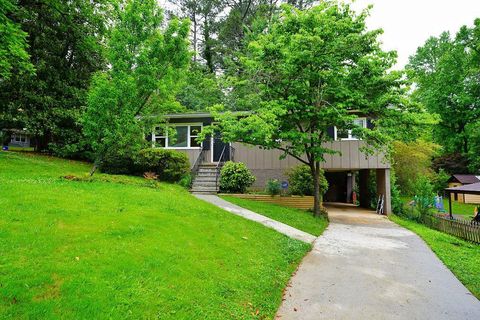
461, 257
296, 218
115, 247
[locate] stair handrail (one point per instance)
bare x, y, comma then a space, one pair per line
218, 166
198, 162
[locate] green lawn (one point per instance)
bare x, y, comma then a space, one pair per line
461, 257
115, 248
462, 209
296, 218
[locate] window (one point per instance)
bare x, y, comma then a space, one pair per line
194, 131
347, 134
160, 138
184, 137
181, 138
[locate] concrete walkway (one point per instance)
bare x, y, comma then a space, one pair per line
250, 215
366, 267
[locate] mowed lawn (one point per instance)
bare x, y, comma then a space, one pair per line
461, 257
99, 249
300, 219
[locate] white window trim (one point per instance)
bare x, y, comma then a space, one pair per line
188, 125
350, 137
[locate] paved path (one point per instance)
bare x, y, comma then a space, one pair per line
250, 215
366, 267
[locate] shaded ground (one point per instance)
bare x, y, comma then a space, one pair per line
365, 266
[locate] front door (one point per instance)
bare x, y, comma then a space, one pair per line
218, 147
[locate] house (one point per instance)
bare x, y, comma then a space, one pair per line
18, 138
458, 180
344, 172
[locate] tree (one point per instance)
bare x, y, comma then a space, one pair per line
308, 71
13, 43
446, 70
146, 65
65, 47
412, 160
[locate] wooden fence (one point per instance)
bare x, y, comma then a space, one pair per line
305, 202
460, 228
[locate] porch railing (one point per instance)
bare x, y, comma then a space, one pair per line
224, 157
196, 165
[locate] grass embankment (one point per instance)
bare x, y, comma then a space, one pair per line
461, 257
107, 250
296, 218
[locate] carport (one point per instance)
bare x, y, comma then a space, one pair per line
473, 188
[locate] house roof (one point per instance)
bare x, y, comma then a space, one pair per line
465, 178
185, 115
473, 188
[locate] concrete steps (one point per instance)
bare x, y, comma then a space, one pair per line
205, 180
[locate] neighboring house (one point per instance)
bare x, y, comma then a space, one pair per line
458, 180
343, 171
18, 138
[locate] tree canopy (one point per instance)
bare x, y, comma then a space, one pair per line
309, 70
147, 63
446, 70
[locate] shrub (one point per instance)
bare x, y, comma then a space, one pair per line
235, 177
273, 187
186, 181
301, 183
424, 196
118, 161
169, 165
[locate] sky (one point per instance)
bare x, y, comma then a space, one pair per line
407, 24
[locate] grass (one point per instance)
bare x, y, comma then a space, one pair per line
462, 209
120, 248
296, 218
460, 256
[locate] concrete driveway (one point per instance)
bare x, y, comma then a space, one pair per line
366, 267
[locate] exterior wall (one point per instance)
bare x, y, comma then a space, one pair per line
14, 143
351, 158
459, 196
471, 198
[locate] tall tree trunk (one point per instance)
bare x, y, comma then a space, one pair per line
317, 197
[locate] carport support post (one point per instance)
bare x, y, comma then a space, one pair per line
383, 188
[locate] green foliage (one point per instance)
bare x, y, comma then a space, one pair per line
235, 177
412, 160
424, 196
300, 84
301, 183
169, 165
118, 160
201, 91
273, 187
446, 70
398, 206
65, 45
142, 80
107, 249
186, 181
13, 43
440, 181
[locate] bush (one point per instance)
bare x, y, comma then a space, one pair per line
301, 183
118, 161
186, 181
424, 196
235, 177
169, 165
273, 187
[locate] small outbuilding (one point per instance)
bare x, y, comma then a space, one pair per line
472, 190
459, 180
